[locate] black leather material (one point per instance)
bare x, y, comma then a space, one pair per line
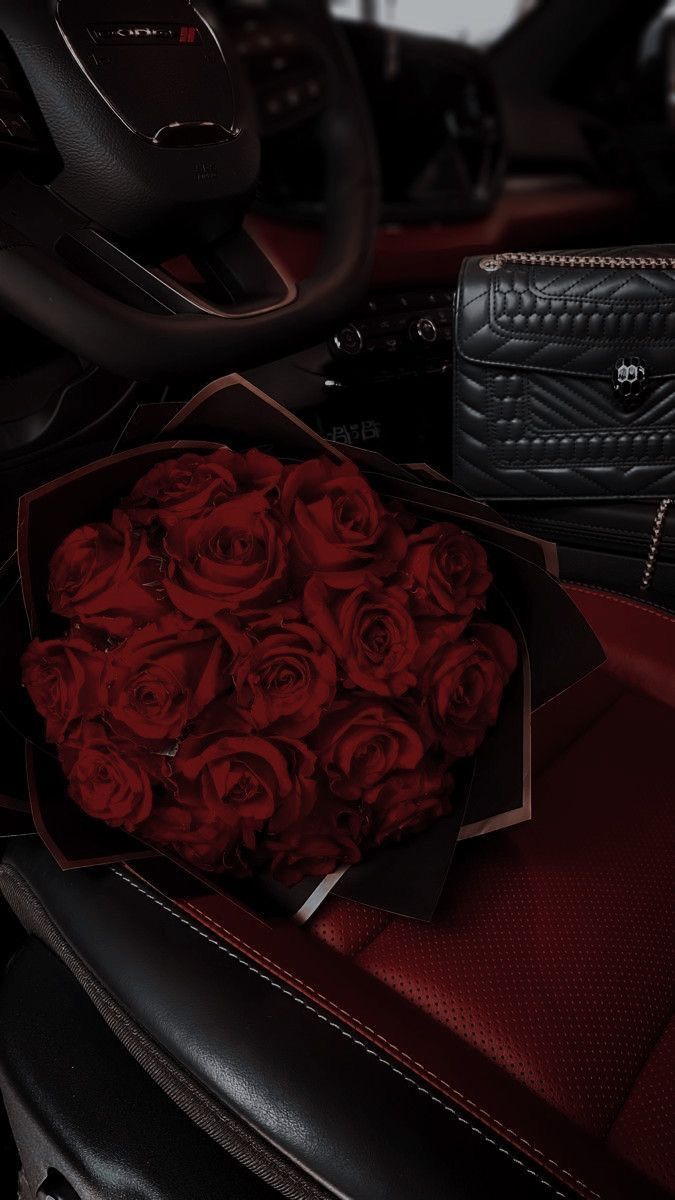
81, 1106
605, 543
344, 1113
10, 238
536, 413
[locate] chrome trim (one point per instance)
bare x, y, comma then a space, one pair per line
191, 300
643, 262
227, 133
655, 544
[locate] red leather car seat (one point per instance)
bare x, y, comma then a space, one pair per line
521, 1040
551, 953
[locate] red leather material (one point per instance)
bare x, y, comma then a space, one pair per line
535, 998
412, 255
550, 951
639, 642
643, 1131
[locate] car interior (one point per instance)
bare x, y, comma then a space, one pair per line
286, 190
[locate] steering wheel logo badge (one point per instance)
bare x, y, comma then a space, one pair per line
144, 35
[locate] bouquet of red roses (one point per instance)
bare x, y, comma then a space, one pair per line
266, 668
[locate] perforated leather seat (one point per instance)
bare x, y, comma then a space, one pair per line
523, 1039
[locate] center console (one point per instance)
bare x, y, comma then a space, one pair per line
383, 381
397, 333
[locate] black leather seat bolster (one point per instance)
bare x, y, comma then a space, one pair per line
338, 1112
61, 1068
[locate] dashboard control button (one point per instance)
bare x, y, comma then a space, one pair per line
424, 330
349, 341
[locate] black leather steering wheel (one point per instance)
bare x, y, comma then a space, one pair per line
158, 147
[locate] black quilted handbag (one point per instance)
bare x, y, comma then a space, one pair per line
565, 375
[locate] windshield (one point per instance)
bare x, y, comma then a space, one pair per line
476, 22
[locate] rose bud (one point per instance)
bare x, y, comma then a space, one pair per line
232, 560
106, 577
187, 487
287, 680
408, 802
371, 633
341, 530
163, 677
464, 681
111, 781
360, 742
447, 574
317, 846
63, 679
224, 765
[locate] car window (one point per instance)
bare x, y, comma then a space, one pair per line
460, 20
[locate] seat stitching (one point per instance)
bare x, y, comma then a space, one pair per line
368, 1029
643, 608
345, 1033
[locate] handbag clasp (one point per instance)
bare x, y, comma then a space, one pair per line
630, 379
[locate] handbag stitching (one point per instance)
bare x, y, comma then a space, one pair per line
579, 455
566, 299
541, 340
640, 539
651, 477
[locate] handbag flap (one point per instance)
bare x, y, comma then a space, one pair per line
577, 314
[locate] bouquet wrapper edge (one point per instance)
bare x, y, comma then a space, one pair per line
229, 408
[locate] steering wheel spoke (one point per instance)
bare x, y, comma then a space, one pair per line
239, 278
250, 275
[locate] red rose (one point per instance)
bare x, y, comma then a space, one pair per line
359, 743
188, 486
341, 530
111, 781
63, 679
287, 680
408, 802
204, 837
464, 681
261, 781
165, 675
106, 577
233, 560
447, 573
371, 633
316, 846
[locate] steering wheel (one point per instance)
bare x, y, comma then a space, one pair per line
158, 149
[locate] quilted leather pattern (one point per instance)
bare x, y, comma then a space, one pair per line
535, 409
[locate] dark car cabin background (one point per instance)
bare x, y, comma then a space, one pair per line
503, 124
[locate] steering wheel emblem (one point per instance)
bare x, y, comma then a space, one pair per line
630, 379
109, 34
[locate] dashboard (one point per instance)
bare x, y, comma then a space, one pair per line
435, 110
437, 123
